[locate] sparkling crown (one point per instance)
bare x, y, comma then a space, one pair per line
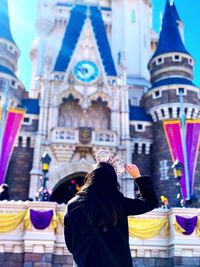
108, 157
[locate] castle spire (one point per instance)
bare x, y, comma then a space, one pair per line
177, 17
5, 32
170, 40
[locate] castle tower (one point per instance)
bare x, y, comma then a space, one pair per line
131, 37
12, 93
131, 34
83, 102
9, 54
171, 70
44, 26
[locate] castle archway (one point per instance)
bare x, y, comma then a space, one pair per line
67, 188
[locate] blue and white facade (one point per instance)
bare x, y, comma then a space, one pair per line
97, 67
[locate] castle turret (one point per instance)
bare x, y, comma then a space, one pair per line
5, 23
9, 54
178, 21
39, 50
171, 59
12, 93
131, 34
171, 69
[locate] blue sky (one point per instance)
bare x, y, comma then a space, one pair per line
23, 14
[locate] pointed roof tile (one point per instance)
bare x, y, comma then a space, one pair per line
137, 113
102, 41
5, 32
30, 105
177, 17
170, 38
72, 34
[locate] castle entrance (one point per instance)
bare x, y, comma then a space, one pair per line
67, 188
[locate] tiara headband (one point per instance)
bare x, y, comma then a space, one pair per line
108, 157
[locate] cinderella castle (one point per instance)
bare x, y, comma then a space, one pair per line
101, 79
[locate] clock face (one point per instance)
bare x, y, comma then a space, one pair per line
86, 71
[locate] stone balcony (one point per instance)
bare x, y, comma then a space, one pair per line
83, 135
30, 247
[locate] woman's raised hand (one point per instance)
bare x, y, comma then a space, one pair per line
133, 170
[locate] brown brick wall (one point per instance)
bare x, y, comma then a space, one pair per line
168, 187
147, 134
169, 96
49, 260
165, 73
18, 174
143, 162
30, 128
160, 151
167, 262
34, 260
169, 62
11, 259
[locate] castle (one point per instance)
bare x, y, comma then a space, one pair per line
91, 90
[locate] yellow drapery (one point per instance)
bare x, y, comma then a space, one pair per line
147, 228
198, 226
142, 228
177, 227
28, 225
61, 218
9, 221
54, 222
27, 221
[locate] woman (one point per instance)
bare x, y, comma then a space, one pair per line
95, 224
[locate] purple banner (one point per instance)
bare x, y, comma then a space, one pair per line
41, 219
188, 224
173, 134
174, 139
192, 143
12, 125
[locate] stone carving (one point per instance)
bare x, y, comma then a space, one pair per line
72, 115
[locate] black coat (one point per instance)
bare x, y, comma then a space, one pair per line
93, 246
4, 195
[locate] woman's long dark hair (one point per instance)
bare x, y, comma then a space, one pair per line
101, 195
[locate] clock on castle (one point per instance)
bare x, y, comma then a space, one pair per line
86, 71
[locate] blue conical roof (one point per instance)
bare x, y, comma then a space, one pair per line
170, 39
176, 15
5, 32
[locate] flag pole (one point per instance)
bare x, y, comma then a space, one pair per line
183, 121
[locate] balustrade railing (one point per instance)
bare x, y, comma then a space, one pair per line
104, 137
67, 135
64, 135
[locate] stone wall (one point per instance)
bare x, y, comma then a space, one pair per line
170, 96
18, 175
46, 248
11, 259
163, 185
167, 262
143, 162
49, 260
